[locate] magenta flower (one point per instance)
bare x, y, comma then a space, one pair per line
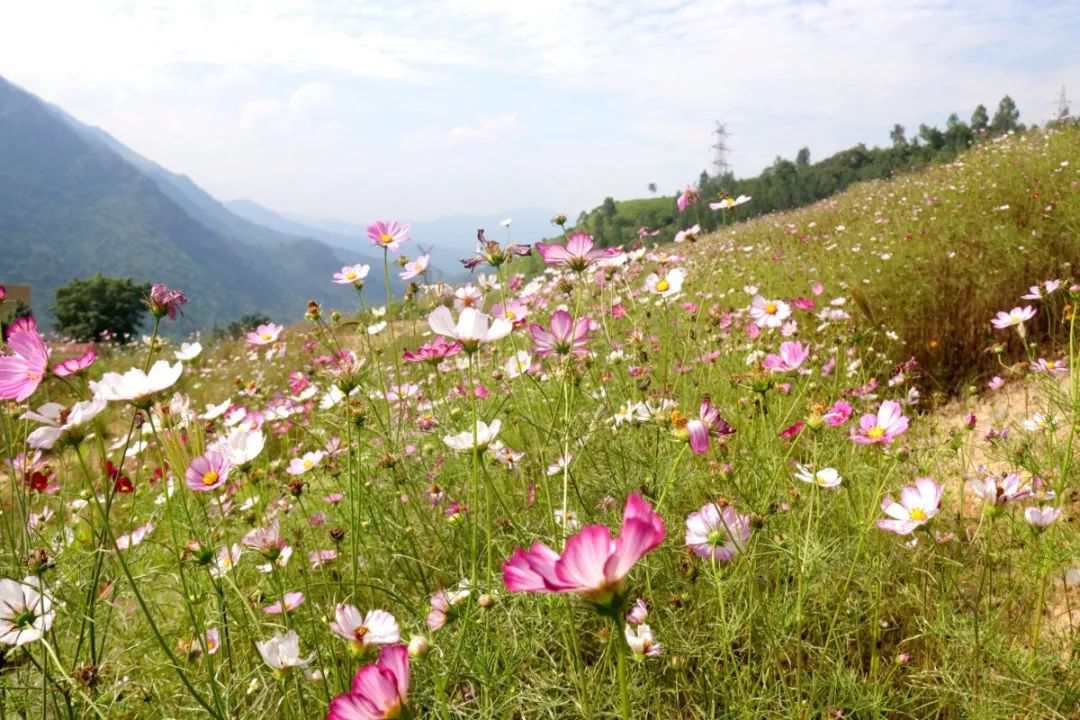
165, 301
592, 563
708, 424
433, 352
379, 691
208, 471
838, 414
882, 427
388, 236
792, 355
23, 370
719, 534
565, 338
74, 365
578, 253
918, 503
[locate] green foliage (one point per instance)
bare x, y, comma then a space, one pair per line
786, 184
87, 308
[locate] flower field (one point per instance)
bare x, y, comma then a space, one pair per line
706, 479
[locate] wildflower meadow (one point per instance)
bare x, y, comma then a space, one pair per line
819, 464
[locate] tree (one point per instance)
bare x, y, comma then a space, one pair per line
897, 136
10, 311
1006, 118
84, 309
980, 119
802, 160
246, 324
652, 188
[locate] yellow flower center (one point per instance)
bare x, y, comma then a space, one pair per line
917, 514
210, 478
875, 432
511, 315
360, 632
771, 308
308, 464
663, 286
386, 238
350, 275
266, 336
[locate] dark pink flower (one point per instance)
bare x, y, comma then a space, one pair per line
74, 365
379, 691
165, 300
592, 563
565, 338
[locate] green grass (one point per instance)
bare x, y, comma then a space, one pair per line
812, 618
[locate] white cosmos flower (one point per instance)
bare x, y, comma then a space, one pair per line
825, 477
667, 284
376, 328
135, 384
26, 612
518, 365
377, 627
56, 420
240, 446
484, 435
282, 652
188, 351
473, 327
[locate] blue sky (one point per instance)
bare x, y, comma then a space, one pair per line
414, 110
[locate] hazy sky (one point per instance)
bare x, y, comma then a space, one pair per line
414, 110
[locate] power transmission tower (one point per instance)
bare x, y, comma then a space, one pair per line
720, 149
1063, 105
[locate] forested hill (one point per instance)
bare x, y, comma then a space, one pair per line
788, 184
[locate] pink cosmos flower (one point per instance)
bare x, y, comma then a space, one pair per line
1051, 367
995, 383
443, 603
207, 472
490, 252
513, 310
592, 563
578, 253
292, 600
918, 503
689, 234
379, 691
565, 338
792, 355
23, 370
838, 414
265, 334
415, 267
472, 328
352, 274
687, 197
388, 236
882, 427
433, 352
719, 534
165, 301
997, 492
1041, 517
708, 424
74, 365
1013, 318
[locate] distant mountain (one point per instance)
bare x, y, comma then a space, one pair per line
449, 239
75, 201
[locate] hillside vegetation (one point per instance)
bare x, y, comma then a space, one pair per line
697, 480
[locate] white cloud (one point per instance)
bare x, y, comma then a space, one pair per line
481, 129
555, 103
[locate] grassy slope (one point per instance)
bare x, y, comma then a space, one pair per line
734, 644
